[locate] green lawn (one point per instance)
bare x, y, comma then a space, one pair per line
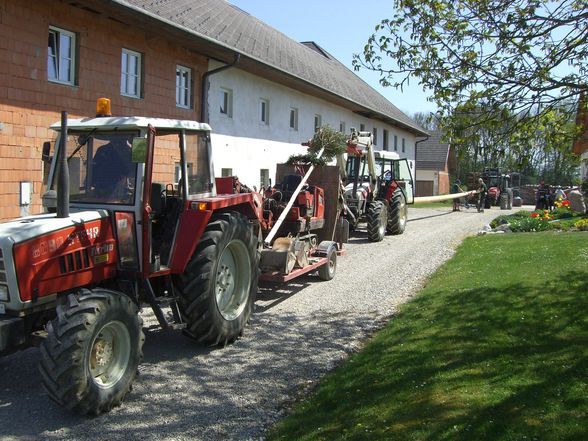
495, 347
441, 204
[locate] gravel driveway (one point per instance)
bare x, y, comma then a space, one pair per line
297, 333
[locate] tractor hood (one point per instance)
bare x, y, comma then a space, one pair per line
27, 228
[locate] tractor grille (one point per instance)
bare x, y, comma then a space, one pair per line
75, 261
2, 268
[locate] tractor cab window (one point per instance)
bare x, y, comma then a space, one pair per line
197, 159
100, 168
387, 169
167, 167
357, 166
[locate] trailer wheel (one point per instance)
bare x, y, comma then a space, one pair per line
377, 218
327, 271
93, 348
220, 282
398, 213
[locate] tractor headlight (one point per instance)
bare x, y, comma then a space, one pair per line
3, 293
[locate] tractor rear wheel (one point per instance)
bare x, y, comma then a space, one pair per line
377, 219
398, 213
93, 348
219, 285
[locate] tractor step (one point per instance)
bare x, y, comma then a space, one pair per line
166, 301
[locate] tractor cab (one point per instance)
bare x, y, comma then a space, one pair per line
141, 177
393, 172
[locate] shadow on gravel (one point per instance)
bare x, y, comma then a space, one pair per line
276, 293
412, 219
186, 391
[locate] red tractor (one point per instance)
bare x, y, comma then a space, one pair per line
138, 220
378, 187
499, 188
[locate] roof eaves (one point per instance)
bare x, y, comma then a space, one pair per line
137, 9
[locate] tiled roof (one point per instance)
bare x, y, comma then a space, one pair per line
432, 154
221, 23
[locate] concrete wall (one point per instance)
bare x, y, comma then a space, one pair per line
245, 145
29, 103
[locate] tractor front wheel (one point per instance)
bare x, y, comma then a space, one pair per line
219, 285
93, 348
377, 219
398, 214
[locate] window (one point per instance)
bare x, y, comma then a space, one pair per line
183, 87
395, 143
130, 77
375, 133
226, 102
226, 172
318, 122
293, 118
264, 111
385, 140
264, 178
61, 61
342, 127
403, 145
362, 127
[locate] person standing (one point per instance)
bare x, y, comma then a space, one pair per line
482, 190
543, 194
456, 189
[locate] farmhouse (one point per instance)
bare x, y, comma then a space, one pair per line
206, 60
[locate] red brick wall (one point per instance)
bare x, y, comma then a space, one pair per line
29, 103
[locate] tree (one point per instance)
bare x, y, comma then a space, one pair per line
506, 64
427, 121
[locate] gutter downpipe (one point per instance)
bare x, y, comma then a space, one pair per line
206, 85
416, 144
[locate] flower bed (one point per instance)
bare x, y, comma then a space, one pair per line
561, 218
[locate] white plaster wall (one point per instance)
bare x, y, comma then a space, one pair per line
245, 145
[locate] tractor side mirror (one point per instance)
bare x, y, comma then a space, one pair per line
139, 150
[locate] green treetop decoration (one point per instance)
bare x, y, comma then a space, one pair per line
333, 142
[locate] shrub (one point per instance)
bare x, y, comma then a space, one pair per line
582, 224
562, 213
507, 218
519, 225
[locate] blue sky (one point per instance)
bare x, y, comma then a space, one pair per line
342, 28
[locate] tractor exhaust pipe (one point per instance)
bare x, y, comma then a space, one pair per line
63, 171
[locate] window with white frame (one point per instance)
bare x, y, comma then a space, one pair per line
342, 127
318, 122
130, 76
293, 118
403, 145
183, 87
395, 143
385, 139
264, 111
375, 133
226, 102
263, 178
61, 56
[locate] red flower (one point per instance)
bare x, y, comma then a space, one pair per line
533, 214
